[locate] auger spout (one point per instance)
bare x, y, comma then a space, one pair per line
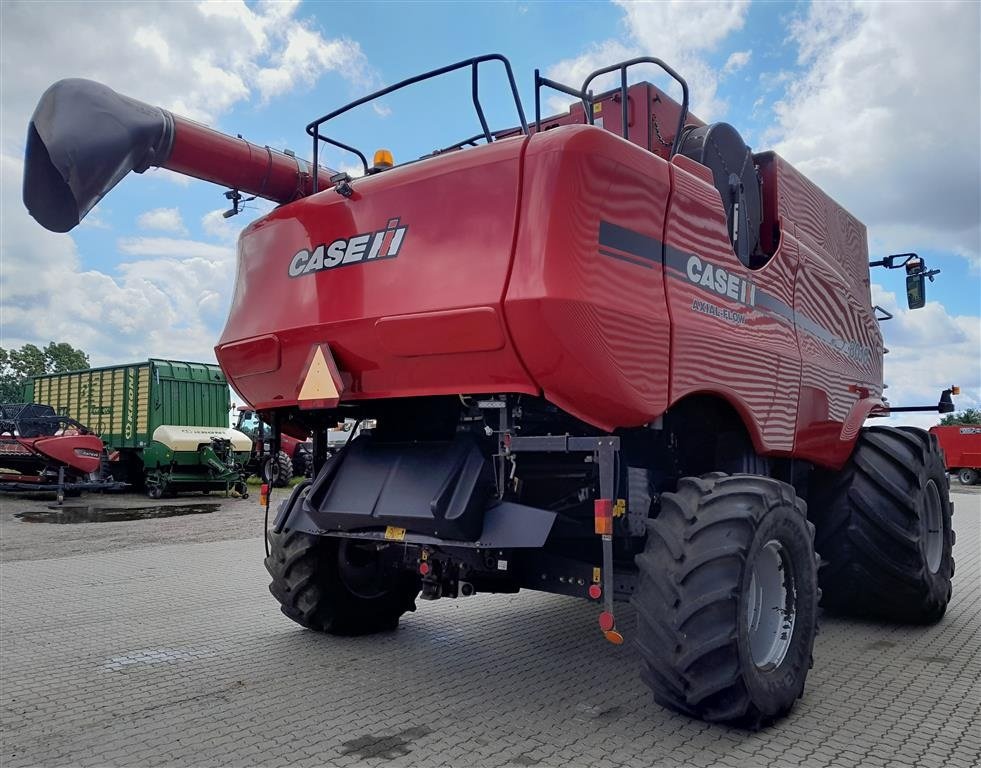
84, 138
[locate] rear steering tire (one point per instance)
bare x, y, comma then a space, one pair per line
727, 599
337, 586
883, 525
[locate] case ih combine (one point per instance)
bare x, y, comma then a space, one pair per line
612, 355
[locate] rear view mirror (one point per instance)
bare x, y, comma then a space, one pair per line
916, 290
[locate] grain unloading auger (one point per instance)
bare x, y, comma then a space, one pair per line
84, 138
608, 355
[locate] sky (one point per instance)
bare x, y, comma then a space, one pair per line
877, 103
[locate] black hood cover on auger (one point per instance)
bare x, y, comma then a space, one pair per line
82, 139
721, 149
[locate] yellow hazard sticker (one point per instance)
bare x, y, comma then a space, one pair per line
393, 533
596, 575
620, 508
597, 108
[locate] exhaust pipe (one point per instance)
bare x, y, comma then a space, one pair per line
84, 138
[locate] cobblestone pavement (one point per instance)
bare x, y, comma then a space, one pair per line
233, 519
176, 655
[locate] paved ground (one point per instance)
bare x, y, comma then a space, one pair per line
166, 654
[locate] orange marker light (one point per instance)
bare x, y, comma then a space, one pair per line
603, 516
613, 636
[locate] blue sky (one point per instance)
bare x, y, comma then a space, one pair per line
878, 104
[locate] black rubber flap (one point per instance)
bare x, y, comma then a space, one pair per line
434, 488
82, 140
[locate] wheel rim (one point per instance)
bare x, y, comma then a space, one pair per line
771, 606
361, 569
933, 527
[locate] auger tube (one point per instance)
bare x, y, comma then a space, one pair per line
84, 138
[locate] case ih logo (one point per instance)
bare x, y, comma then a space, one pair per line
373, 246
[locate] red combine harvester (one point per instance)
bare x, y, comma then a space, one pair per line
43, 451
612, 354
961, 445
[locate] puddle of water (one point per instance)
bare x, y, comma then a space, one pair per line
80, 514
154, 656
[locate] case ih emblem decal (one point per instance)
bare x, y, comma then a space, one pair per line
373, 246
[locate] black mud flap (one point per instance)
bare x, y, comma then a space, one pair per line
439, 492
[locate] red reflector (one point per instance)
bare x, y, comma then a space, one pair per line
595, 592
264, 489
606, 621
603, 516
424, 568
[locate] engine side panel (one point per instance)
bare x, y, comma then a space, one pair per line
585, 303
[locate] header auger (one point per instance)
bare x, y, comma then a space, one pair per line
613, 354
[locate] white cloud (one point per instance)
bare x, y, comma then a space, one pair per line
929, 350
736, 61
164, 219
885, 116
197, 59
170, 294
217, 226
169, 300
680, 34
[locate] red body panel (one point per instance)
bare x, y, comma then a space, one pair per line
445, 285
576, 265
588, 318
961, 445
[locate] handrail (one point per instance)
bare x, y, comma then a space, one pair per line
313, 129
587, 98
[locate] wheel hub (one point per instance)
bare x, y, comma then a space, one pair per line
933, 527
771, 606
362, 569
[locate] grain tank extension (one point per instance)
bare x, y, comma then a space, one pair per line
612, 354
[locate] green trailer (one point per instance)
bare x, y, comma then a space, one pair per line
164, 422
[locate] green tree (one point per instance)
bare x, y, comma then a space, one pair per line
17, 366
968, 416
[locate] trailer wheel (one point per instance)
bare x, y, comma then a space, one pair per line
727, 599
883, 525
336, 586
967, 476
278, 470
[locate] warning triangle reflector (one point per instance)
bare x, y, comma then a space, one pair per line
319, 383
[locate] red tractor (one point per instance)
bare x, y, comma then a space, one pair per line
610, 354
294, 458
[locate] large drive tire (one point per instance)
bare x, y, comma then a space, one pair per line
967, 476
314, 588
727, 599
883, 526
278, 470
